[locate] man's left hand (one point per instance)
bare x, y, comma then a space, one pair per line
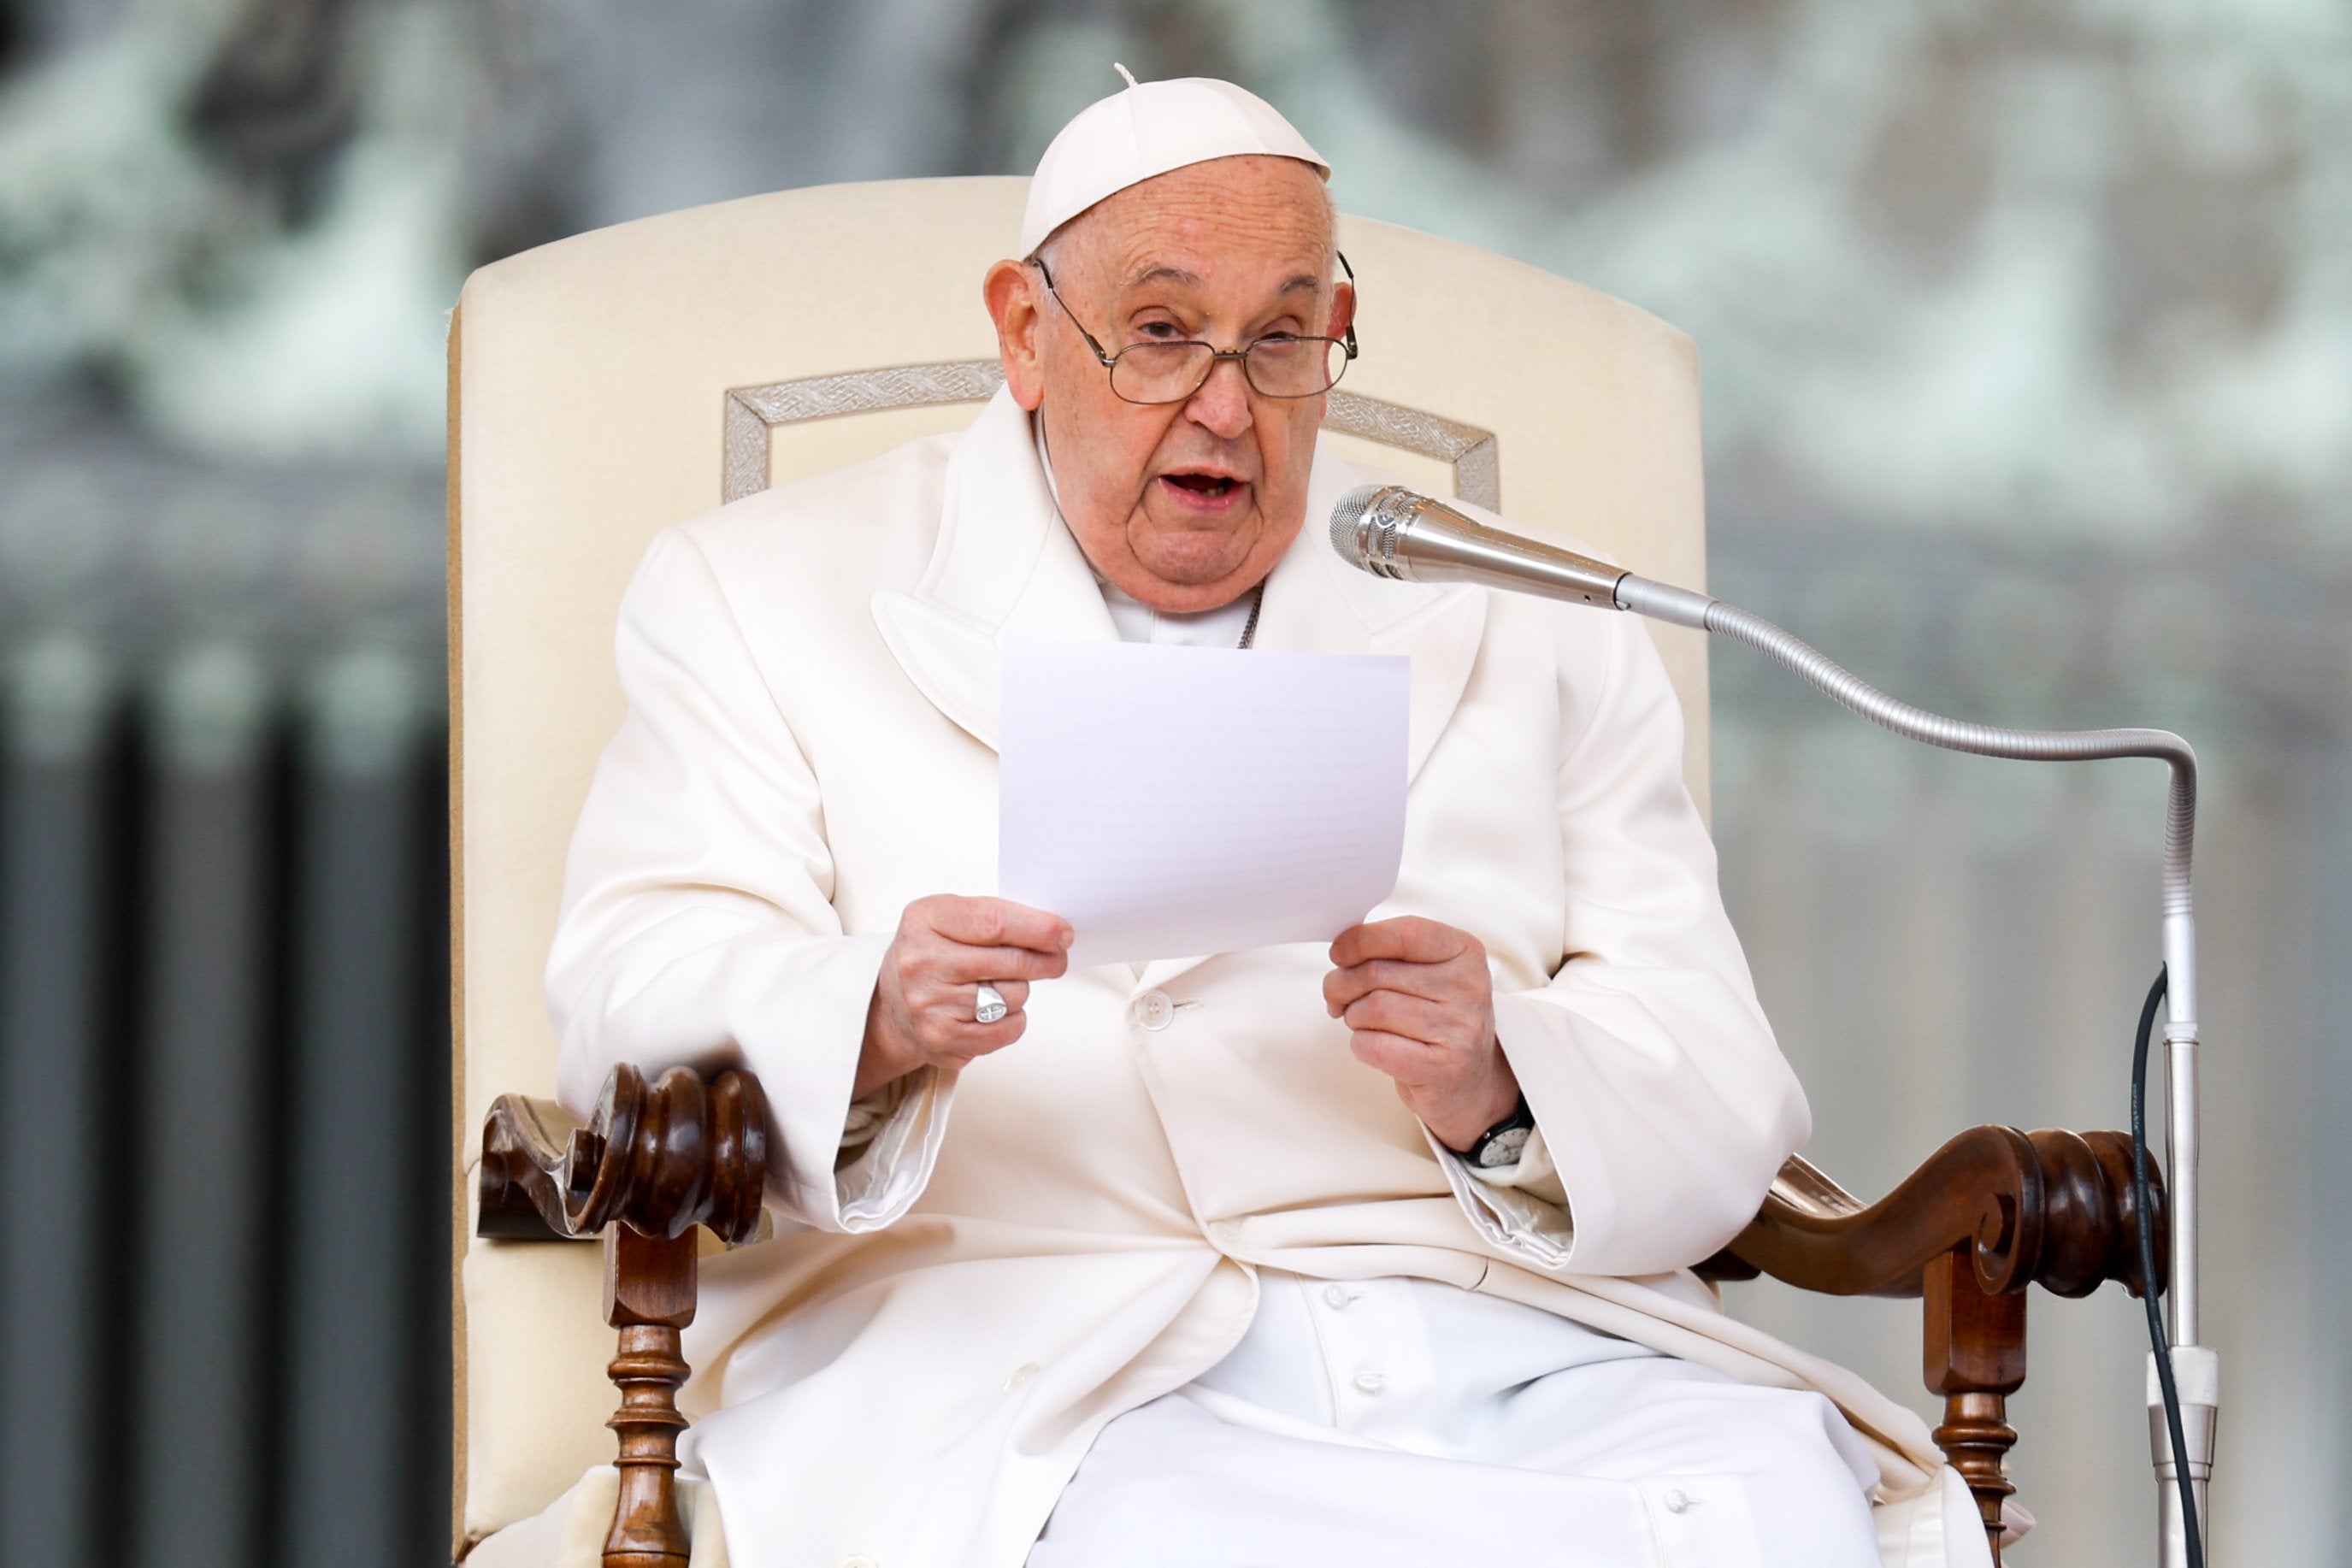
1422, 1006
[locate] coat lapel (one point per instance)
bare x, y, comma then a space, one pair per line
1005, 566
1317, 603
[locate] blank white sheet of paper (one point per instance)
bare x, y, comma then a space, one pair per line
1171, 801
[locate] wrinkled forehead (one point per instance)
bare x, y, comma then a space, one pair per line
1229, 219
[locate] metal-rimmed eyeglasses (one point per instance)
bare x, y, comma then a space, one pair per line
1280, 364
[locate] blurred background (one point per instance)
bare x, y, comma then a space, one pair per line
2027, 330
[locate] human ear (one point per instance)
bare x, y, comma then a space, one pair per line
1343, 310
1012, 298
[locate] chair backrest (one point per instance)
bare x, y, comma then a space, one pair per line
608, 386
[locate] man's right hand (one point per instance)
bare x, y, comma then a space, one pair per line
946, 949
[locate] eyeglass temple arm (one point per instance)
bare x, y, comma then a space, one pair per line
1348, 340
1039, 263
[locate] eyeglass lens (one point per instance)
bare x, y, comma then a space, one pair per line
1277, 367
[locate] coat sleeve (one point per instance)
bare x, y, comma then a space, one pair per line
1662, 1105
696, 926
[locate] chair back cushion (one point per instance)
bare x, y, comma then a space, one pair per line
606, 386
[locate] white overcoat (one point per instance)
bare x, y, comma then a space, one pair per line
912, 1370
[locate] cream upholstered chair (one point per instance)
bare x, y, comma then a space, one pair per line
608, 386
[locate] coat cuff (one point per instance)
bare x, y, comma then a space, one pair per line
845, 1166
1537, 1206
1505, 1206
889, 1143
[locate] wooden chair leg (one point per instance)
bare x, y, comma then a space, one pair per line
649, 1295
654, 1161
1975, 1357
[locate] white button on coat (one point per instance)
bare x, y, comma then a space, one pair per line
859, 1562
1021, 1374
1370, 1382
1153, 1010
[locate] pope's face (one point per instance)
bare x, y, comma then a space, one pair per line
1185, 505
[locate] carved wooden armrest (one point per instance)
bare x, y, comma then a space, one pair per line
1990, 1213
654, 1162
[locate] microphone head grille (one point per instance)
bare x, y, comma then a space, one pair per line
1364, 524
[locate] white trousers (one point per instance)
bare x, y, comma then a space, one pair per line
1401, 1423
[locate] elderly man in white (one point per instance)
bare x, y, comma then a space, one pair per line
1368, 1256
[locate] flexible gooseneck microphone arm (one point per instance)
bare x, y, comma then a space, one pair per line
1392, 533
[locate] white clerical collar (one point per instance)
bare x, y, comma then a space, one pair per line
1137, 622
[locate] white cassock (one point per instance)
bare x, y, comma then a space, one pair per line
987, 1283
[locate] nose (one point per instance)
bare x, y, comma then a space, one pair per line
1222, 406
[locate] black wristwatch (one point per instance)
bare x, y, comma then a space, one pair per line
1500, 1145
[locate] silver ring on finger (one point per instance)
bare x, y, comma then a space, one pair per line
988, 1005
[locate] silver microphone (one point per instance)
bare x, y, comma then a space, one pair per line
1390, 532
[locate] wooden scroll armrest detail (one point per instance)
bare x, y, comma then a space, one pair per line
654, 1162
2052, 1208
664, 1157
1991, 1213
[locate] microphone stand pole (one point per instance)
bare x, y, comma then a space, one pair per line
2194, 1369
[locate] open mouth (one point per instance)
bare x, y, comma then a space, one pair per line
1208, 486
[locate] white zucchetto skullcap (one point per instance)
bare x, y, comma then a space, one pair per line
1150, 128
